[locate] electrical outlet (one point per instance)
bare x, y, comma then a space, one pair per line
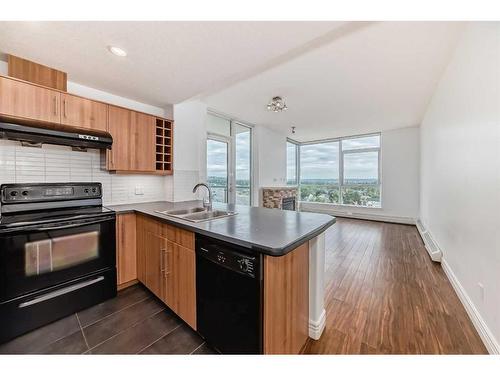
481, 291
139, 190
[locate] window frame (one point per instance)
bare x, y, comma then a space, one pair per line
297, 161
227, 141
342, 152
231, 140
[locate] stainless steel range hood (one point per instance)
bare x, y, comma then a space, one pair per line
37, 136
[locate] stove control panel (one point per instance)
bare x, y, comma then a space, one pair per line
26, 193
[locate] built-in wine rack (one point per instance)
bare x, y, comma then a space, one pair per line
164, 143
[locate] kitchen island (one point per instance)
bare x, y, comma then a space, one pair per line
292, 248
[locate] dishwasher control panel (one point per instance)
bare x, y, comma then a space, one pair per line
229, 258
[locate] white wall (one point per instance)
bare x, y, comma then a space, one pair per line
269, 168
190, 134
460, 176
53, 163
399, 152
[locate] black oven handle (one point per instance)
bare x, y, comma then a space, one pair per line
57, 226
67, 226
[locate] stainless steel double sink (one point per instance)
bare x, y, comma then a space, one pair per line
197, 214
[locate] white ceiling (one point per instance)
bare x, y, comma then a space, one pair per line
338, 78
373, 78
167, 62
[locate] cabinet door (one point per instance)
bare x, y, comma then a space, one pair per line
180, 288
126, 255
120, 127
133, 141
141, 248
83, 113
23, 100
143, 128
155, 264
185, 276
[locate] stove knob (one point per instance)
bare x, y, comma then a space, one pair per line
13, 193
25, 193
86, 191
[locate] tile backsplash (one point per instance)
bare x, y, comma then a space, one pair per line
53, 163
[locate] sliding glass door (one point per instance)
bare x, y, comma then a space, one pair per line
229, 155
242, 152
218, 169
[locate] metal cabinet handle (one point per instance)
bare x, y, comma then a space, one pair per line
55, 106
111, 158
167, 270
64, 107
162, 261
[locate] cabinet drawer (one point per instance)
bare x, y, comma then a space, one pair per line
179, 236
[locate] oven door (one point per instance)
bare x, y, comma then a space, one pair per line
41, 256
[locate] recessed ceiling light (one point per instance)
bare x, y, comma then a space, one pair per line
117, 51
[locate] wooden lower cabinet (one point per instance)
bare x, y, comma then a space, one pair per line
166, 267
286, 301
126, 261
180, 278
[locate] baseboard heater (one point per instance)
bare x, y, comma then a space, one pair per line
430, 245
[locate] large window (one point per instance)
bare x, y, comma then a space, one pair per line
292, 150
229, 145
343, 171
319, 172
360, 182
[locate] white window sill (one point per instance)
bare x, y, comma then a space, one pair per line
339, 206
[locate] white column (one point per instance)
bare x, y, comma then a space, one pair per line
317, 313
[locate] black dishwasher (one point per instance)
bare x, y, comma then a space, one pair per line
228, 296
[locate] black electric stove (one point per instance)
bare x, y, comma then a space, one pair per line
57, 253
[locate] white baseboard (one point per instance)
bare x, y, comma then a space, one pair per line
484, 332
316, 328
361, 215
430, 245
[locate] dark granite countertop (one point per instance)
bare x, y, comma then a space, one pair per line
269, 231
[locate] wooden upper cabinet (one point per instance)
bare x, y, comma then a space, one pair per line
83, 113
120, 128
144, 142
26, 101
133, 141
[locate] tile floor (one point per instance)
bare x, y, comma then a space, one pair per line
134, 322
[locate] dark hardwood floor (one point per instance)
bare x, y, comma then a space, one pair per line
385, 296
133, 322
